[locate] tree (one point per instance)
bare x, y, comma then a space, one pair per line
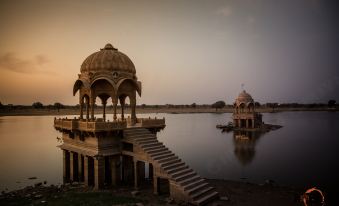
58, 106
194, 105
331, 103
218, 105
272, 105
257, 104
37, 105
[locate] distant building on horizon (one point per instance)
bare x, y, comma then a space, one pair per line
244, 114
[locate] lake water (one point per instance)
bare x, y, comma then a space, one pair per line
302, 153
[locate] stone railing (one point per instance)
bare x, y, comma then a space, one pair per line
100, 125
90, 126
148, 122
68, 124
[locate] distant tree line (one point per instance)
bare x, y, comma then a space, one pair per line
35, 105
216, 105
331, 103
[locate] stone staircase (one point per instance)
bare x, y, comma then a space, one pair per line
192, 187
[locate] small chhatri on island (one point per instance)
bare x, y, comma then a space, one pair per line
100, 152
244, 115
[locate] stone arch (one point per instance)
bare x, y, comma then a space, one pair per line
103, 82
124, 84
84, 102
103, 88
250, 106
78, 85
242, 107
129, 87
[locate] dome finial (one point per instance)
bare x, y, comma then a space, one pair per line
109, 47
243, 86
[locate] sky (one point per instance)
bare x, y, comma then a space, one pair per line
184, 51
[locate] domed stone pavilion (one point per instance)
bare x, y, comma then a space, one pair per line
244, 115
107, 74
102, 153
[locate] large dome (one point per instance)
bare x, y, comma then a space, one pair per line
108, 59
244, 97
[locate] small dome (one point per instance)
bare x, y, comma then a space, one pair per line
244, 97
108, 59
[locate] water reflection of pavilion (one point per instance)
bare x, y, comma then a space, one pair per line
244, 145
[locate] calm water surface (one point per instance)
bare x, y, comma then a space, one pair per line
302, 153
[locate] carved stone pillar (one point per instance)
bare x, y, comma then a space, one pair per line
87, 108
122, 103
99, 172
81, 103
139, 173
66, 166
86, 170
92, 107
133, 105
104, 109
155, 185
115, 102
74, 166
115, 170
80, 167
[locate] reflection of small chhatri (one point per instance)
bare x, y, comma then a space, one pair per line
99, 152
244, 145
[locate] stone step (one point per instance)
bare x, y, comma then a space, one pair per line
151, 151
206, 198
196, 188
131, 132
163, 156
198, 194
154, 148
170, 162
193, 184
138, 136
181, 172
189, 180
137, 133
136, 129
173, 166
143, 139
185, 176
177, 169
144, 146
159, 153
147, 141
167, 159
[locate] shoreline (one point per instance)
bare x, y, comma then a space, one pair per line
109, 111
231, 193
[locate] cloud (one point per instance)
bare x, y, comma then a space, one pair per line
11, 62
225, 11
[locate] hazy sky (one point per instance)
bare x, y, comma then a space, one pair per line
184, 51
